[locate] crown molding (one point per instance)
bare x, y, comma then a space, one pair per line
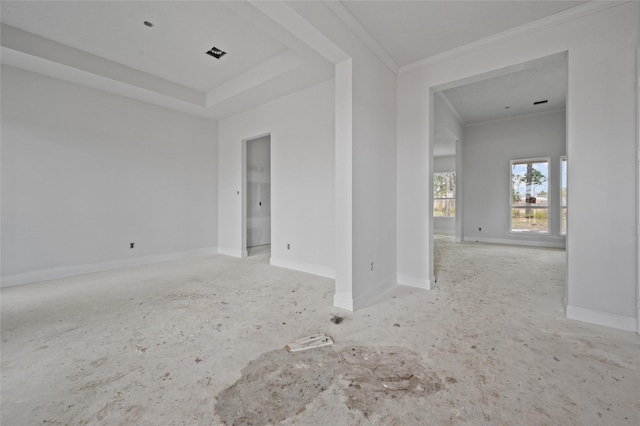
585, 9
356, 27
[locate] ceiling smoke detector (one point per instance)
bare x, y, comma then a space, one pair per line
216, 53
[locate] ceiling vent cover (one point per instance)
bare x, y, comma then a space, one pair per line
216, 53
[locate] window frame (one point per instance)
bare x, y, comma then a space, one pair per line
538, 207
564, 206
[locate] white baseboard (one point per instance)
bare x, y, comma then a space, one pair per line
411, 281
309, 268
516, 242
343, 301
68, 271
351, 303
385, 284
230, 252
621, 322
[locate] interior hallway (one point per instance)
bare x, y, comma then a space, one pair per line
157, 344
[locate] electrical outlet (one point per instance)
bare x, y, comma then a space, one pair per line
479, 229
372, 267
132, 245
288, 246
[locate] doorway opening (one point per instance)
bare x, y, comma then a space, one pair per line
483, 127
258, 192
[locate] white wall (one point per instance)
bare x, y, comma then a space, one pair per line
374, 179
445, 225
601, 126
366, 160
444, 164
258, 191
84, 173
447, 128
487, 152
302, 169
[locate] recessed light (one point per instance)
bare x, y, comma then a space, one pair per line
148, 24
541, 102
215, 52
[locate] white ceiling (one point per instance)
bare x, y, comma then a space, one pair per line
104, 44
174, 49
109, 40
410, 31
487, 99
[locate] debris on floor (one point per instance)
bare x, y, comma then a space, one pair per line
336, 319
309, 342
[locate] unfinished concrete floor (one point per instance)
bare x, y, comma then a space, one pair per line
200, 341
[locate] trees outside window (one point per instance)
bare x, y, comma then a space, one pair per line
529, 196
444, 194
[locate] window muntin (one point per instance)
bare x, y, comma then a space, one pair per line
530, 196
444, 194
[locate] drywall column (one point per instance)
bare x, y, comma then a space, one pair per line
373, 153
414, 170
344, 185
601, 124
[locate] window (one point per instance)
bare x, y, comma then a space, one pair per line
530, 196
563, 195
444, 194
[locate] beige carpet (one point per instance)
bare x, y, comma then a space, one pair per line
199, 341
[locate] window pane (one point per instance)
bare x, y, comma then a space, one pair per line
530, 220
530, 196
444, 207
444, 194
563, 187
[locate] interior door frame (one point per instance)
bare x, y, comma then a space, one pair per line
245, 183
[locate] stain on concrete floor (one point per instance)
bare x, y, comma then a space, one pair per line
279, 385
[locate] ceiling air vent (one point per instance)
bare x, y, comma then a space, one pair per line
541, 102
216, 53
